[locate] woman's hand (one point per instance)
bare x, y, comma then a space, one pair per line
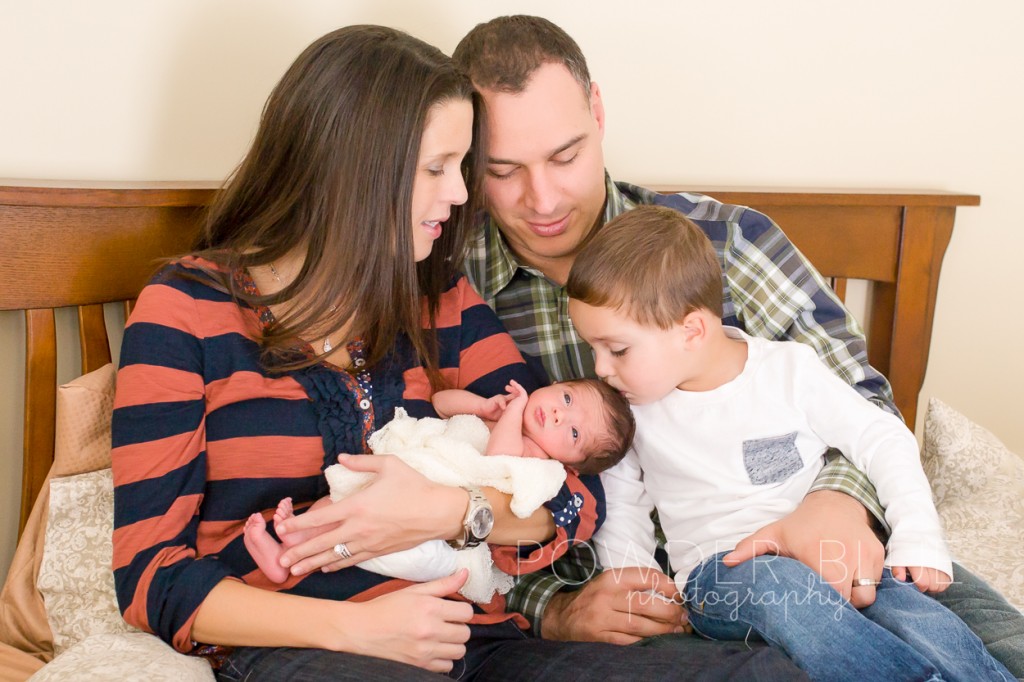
399, 509
415, 625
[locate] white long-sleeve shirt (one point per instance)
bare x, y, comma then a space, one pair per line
720, 464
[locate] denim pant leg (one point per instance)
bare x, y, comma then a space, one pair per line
999, 625
934, 631
267, 664
788, 605
527, 660
502, 653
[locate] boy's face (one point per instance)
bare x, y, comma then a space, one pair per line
643, 363
564, 422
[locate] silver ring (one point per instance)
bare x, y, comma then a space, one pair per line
859, 582
342, 551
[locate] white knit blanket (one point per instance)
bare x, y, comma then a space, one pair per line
450, 452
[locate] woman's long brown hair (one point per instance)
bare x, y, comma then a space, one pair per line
330, 172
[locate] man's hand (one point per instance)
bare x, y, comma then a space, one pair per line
830, 533
617, 607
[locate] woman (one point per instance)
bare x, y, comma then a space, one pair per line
322, 295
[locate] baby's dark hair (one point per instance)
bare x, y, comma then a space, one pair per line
608, 451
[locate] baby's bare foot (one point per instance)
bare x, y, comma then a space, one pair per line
264, 549
255, 524
285, 510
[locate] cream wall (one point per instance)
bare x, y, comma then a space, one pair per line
915, 94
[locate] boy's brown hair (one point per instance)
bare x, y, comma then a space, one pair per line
618, 418
652, 263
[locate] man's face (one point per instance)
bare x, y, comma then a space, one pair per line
545, 180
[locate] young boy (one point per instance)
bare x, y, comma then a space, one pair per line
583, 424
730, 435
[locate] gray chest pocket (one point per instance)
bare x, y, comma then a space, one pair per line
770, 460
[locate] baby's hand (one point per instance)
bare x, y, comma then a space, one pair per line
926, 579
517, 396
493, 408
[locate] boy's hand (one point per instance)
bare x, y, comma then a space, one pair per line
492, 408
926, 579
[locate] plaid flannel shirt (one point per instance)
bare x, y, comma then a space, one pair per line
768, 289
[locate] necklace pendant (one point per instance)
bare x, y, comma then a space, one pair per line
327, 346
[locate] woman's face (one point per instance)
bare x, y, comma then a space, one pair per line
439, 184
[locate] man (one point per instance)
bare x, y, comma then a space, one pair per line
546, 191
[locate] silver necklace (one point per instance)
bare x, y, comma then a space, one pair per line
327, 340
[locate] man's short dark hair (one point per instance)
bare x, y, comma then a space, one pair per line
503, 53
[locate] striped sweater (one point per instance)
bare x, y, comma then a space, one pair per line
203, 437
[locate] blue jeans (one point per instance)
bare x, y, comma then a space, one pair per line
502, 652
904, 635
999, 624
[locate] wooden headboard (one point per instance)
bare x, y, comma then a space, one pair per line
88, 244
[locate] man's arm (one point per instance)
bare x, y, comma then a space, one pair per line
571, 604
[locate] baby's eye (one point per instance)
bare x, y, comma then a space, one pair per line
575, 434
567, 398
618, 353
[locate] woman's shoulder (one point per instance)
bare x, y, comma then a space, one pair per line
193, 276
460, 305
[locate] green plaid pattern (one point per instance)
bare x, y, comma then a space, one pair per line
769, 290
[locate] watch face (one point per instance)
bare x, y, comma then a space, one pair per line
482, 523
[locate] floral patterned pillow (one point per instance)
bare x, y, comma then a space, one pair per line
75, 577
90, 638
978, 486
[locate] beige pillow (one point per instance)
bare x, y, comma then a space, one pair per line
979, 491
124, 656
82, 443
75, 577
84, 408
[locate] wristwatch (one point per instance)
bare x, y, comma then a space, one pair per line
479, 521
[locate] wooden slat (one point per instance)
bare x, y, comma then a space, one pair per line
926, 234
40, 405
92, 337
839, 286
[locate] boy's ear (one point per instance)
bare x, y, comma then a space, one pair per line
694, 328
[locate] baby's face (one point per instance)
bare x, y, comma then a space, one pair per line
565, 422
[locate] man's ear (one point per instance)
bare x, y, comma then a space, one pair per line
597, 107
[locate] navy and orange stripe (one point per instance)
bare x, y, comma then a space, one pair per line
204, 436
